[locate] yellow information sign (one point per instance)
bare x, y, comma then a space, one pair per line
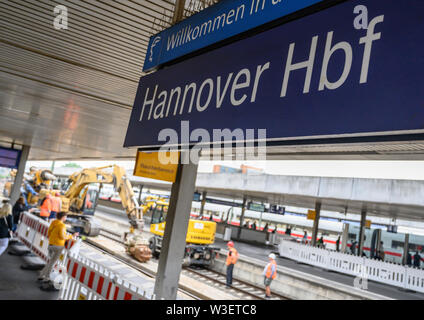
157, 165
367, 223
311, 214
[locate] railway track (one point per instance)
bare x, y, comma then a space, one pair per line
243, 290
111, 235
134, 265
240, 289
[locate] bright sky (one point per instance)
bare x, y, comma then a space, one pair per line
409, 170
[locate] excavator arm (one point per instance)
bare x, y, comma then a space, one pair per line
128, 199
81, 180
77, 197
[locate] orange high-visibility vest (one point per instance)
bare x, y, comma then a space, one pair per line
56, 204
269, 270
231, 259
45, 208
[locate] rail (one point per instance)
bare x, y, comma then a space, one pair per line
242, 289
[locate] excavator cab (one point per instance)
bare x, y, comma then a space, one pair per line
90, 200
199, 240
159, 212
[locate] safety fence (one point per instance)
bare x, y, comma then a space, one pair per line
77, 277
32, 231
87, 280
365, 268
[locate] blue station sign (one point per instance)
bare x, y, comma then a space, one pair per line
218, 22
9, 158
354, 69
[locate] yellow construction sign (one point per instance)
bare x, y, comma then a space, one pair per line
367, 223
157, 165
311, 214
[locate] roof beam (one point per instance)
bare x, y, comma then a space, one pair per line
178, 11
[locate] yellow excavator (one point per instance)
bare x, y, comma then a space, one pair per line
33, 182
81, 194
200, 237
80, 197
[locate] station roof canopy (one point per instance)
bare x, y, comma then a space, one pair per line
69, 93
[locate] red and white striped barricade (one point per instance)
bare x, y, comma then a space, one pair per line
87, 280
72, 247
40, 244
33, 233
124, 290
27, 229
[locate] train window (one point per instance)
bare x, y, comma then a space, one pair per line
415, 247
398, 244
352, 236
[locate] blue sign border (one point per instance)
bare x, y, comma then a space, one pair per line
388, 103
214, 24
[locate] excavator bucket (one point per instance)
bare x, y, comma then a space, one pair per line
140, 252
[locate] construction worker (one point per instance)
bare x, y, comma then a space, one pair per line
56, 206
57, 236
232, 257
270, 273
46, 207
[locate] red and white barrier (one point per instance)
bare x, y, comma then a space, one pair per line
78, 277
27, 229
32, 231
86, 280
40, 244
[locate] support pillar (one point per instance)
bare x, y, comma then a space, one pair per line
316, 223
202, 204
243, 209
139, 195
377, 245
362, 232
405, 249
174, 239
16, 188
345, 236
178, 11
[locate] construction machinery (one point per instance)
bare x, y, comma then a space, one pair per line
80, 197
81, 194
9, 183
200, 237
33, 182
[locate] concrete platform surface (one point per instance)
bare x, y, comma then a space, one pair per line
19, 284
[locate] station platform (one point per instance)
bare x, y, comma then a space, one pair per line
20, 284
262, 252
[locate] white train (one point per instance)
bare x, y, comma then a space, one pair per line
393, 243
330, 230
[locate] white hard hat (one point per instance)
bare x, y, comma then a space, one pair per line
272, 256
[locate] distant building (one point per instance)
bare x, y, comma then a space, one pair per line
224, 169
247, 169
243, 169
